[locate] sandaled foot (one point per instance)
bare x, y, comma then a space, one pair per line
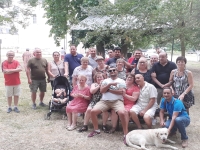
93, 133
83, 128
72, 128
112, 130
105, 129
68, 126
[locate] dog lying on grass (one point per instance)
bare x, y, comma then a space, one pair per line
157, 137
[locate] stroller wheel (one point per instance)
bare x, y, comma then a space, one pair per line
47, 117
64, 117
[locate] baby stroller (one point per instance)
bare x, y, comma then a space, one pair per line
59, 82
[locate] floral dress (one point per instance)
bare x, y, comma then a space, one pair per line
95, 97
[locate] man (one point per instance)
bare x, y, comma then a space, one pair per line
92, 58
159, 50
153, 59
26, 56
146, 104
178, 117
11, 69
161, 73
117, 55
36, 69
72, 61
111, 89
133, 61
62, 53
110, 55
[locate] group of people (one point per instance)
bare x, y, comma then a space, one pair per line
115, 86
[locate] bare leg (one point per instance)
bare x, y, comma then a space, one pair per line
127, 118
87, 116
148, 121
41, 96
9, 101
114, 118
94, 113
74, 118
135, 119
16, 99
33, 97
105, 117
69, 116
122, 117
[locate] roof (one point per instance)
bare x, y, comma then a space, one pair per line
112, 22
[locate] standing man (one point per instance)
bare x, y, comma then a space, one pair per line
133, 61
26, 56
112, 98
146, 104
11, 69
72, 61
92, 57
110, 55
62, 53
178, 117
36, 69
153, 59
161, 73
117, 55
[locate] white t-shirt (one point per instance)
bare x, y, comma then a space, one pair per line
147, 92
110, 96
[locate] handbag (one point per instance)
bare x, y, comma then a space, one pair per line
188, 99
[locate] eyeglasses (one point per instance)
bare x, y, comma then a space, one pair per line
113, 70
142, 62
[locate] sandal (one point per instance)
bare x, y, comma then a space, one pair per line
104, 128
93, 133
112, 130
83, 128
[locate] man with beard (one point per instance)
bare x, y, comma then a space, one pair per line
112, 61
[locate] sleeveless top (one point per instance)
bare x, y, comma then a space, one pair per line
95, 98
54, 69
180, 82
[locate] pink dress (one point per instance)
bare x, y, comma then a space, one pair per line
127, 103
79, 105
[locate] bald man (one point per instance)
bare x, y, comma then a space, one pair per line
161, 73
146, 104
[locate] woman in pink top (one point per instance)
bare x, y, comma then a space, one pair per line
79, 104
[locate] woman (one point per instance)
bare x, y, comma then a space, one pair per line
101, 67
142, 68
130, 95
182, 82
81, 95
83, 69
56, 67
120, 68
96, 96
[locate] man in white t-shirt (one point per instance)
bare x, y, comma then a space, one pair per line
111, 89
146, 104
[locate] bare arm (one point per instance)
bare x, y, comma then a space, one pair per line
28, 74
161, 114
156, 81
150, 104
118, 92
49, 71
10, 71
175, 114
170, 79
133, 97
94, 88
66, 69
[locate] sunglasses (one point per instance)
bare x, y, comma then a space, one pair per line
113, 70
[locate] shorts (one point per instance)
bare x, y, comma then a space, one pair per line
41, 84
12, 90
137, 109
105, 105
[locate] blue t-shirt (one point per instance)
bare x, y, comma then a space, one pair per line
73, 61
163, 72
175, 105
112, 62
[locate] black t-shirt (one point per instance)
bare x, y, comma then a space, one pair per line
147, 75
163, 72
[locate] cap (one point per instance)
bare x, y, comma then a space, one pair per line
99, 58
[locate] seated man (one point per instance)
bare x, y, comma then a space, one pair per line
146, 104
178, 117
112, 98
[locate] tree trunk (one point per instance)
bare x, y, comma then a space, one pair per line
124, 48
100, 49
182, 40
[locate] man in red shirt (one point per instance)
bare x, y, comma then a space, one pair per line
11, 69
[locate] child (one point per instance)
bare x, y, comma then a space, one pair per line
60, 96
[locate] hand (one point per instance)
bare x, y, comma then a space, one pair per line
162, 123
123, 92
181, 97
29, 81
153, 74
66, 75
114, 83
142, 113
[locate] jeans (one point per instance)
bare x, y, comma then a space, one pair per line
180, 123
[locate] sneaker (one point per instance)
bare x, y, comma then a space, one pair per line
9, 110
83, 128
34, 106
16, 110
71, 128
93, 133
42, 104
184, 143
124, 140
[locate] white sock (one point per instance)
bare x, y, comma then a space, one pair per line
97, 130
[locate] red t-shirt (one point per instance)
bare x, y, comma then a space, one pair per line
13, 78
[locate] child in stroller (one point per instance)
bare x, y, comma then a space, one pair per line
60, 96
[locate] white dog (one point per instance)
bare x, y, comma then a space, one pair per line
148, 137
